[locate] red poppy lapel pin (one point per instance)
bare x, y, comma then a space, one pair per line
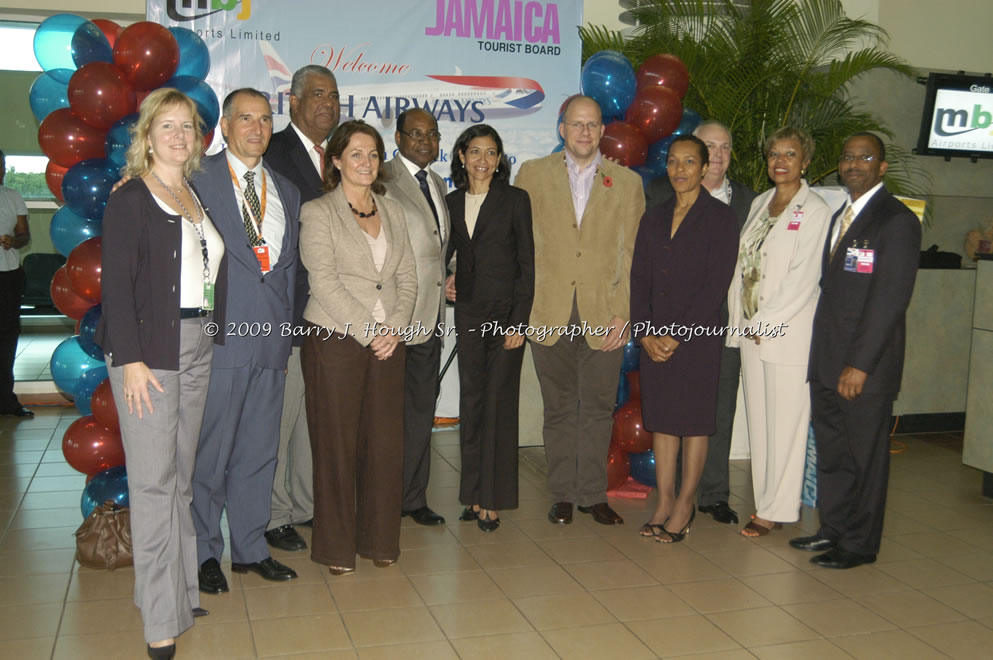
607, 181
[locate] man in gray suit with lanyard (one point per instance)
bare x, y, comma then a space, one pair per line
714, 488
257, 213
411, 182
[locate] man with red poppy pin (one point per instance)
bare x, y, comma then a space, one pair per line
585, 211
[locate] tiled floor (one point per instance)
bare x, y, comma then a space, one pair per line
531, 589
40, 335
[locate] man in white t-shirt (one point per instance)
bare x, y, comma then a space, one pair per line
14, 235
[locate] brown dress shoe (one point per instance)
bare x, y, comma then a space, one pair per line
602, 513
561, 513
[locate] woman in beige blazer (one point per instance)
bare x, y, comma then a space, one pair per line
354, 244
771, 306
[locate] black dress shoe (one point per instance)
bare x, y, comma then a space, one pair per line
840, 558
561, 513
162, 652
199, 612
21, 411
285, 538
602, 513
812, 543
424, 516
268, 568
721, 512
212, 580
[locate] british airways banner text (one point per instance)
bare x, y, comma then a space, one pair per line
508, 63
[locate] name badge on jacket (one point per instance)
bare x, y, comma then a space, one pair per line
859, 261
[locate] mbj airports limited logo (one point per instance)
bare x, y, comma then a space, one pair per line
961, 114
184, 10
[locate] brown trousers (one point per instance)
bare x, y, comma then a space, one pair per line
355, 414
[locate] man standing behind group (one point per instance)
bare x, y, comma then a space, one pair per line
421, 192
585, 213
714, 488
257, 213
297, 152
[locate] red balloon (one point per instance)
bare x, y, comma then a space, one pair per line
66, 300
104, 409
618, 467
90, 447
99, 94
147, 53
110, 29
84, 268
624, 143
656, 112
207, 139
53, 177
629, 432
664, 70
634, 385
79, 323
67, 139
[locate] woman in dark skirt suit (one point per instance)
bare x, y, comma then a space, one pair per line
494, 247
684, 257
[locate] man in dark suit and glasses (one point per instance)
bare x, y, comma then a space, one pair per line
714, 486
297, 152
856, 355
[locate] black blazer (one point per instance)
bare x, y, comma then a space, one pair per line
659, 191
287, 155
142, 262
860, 318
494, 277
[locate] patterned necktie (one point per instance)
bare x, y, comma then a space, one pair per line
846, 222
320, 152
251, 201
422, 179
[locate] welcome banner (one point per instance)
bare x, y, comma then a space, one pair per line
507, 63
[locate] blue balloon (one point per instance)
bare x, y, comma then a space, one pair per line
610, 82
643, 468
559, 147
658, 155
647, 174
70, 362
87, 330
68, 230
623, 392
632, 356
615, 55
194, 60
202, 95
689, 122
89, 44
86, 186
86, 386
47, 94
119, 139
55, 41
110, 484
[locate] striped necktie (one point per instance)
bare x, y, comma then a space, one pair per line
251, 201
846, 222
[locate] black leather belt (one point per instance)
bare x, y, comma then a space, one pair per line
193, 312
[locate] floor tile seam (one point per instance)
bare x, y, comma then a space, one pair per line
859, 600
778, 607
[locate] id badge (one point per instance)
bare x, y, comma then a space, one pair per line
793, 226
262, 254
865, 260
851, 260
208, 296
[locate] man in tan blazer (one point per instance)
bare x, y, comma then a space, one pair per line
585, 213
421, 192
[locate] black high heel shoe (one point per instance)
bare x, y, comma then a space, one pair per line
162, 652
487, 524
468, 515
677, 536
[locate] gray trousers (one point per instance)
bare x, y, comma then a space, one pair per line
423, 362
160, 450
293, 487
579, 390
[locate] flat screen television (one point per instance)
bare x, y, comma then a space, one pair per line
958, 117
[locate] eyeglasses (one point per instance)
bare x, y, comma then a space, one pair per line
848, 158
578, 126
418, 135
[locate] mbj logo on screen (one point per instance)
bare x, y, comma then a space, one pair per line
958, 113
183, 10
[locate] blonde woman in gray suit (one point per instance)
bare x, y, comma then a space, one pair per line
354, 244
775, 285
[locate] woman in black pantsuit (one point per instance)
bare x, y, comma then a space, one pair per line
491, 236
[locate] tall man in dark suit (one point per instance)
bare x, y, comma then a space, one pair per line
411, 182
257, 213
856, 355
297, 152
714, 489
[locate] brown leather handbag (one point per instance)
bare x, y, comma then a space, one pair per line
104, 539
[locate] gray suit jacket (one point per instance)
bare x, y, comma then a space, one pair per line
251, 298
429, 248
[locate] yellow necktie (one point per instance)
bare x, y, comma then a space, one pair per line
846, 222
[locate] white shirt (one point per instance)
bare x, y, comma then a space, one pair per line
439, 202
857, 207
378, 247
11, 206
191, 263
723, 192
581, 183
274, 222
308, 144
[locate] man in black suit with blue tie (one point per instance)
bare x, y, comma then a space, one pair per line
856, 355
